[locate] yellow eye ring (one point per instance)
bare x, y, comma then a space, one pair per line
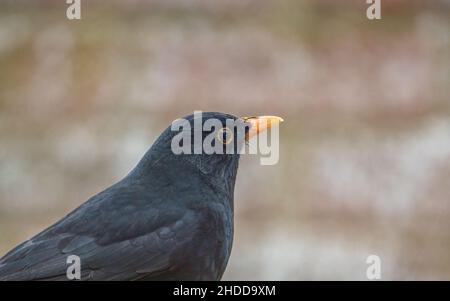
227, 132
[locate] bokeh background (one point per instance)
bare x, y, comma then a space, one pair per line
365, 147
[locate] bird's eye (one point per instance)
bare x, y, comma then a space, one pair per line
225, 135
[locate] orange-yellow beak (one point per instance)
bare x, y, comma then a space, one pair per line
259, 124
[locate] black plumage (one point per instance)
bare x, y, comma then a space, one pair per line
170, 218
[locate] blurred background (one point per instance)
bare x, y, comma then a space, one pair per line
365, 147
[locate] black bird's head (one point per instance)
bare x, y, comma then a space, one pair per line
203, 144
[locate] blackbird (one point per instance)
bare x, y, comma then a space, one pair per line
170, 218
